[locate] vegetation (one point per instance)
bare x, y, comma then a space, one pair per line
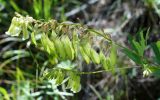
46, 58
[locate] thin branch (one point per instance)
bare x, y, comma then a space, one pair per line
101, 71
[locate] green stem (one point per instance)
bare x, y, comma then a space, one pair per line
100, 71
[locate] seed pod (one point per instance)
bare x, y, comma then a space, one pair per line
68, 47
51, 45
84, 55
48, 44
94, 56
25, 31
45, 44
53, 35
75, 41
33, 38
113, 55
86, 48
53, 60
103, 60
59, 49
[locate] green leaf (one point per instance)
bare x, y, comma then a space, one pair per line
155, 71
15, 6
130, 38
56, 74
66, 65
4, 92
156, 51
113, 55
76, 84
132, 56
47, 8
19, 75
51, 74
37, 5
59, 77
15, 27
142, 41
158, 45
147, 36
139, 48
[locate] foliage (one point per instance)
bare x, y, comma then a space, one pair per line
136, 53
60, 49
66, 44
62, 43
153, 4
